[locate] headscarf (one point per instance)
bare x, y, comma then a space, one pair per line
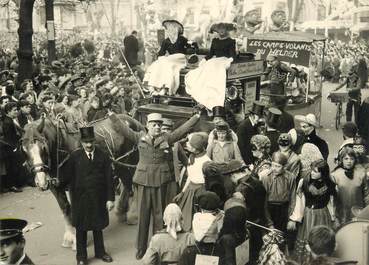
172, 218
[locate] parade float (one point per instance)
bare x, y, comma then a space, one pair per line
304, 52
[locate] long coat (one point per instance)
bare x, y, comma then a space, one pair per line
90, 186
131, 49
245, 132
10, 133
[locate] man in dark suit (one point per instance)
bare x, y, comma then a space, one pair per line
131, 48
272, 121
11, 137
88, 172
12, 242
247, 129
287, 122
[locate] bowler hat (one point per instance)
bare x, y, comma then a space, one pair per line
219, 111
273, 118
154, 117
87, 134
257, 108
10, 228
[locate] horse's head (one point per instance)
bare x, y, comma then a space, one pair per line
37, 150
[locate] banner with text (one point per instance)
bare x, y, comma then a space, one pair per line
293, 52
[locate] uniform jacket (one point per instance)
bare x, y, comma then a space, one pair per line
153, 168
245, 132
90, 186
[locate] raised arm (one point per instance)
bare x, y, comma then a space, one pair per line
121, 127
183, 129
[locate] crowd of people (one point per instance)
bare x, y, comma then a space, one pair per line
267, 181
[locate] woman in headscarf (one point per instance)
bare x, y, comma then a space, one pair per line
167, 246
260, 148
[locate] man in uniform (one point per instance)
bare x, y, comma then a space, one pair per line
12, 242
88, 172
153, 172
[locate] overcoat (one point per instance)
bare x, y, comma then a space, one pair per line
91, 186
245, 132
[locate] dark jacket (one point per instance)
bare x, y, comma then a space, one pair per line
153, 168
131, 49
222, 48
273, 136
11, 135
287, 122
363, 121
179, 46
245, 132
319, 142
22, 119
90, 186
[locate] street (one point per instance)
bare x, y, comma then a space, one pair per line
44, 243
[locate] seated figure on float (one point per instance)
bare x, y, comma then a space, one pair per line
207, 83
162, 75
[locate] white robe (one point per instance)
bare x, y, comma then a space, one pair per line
165, 72
207, 83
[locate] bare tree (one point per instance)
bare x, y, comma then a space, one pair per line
25, 32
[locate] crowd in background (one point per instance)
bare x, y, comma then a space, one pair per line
272, 170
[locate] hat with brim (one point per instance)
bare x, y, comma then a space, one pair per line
309, 119
222, 25
56, 64
154, 117
219, 111
87, 134
10, 228
360, 213
257, 108
64, 83
173, 22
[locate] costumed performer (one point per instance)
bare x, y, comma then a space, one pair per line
207, 83
166, 82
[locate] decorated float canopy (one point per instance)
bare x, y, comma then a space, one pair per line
301, 51
294, 47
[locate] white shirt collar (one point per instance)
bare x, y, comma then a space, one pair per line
92, 154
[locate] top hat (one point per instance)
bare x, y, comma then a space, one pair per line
154, 117
87, 134
257, 108
273, 118
219, 111
10, 228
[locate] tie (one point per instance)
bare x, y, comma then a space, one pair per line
90, 156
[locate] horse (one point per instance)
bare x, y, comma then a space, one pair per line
47, 144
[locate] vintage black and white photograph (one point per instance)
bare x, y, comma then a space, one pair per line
184, 132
